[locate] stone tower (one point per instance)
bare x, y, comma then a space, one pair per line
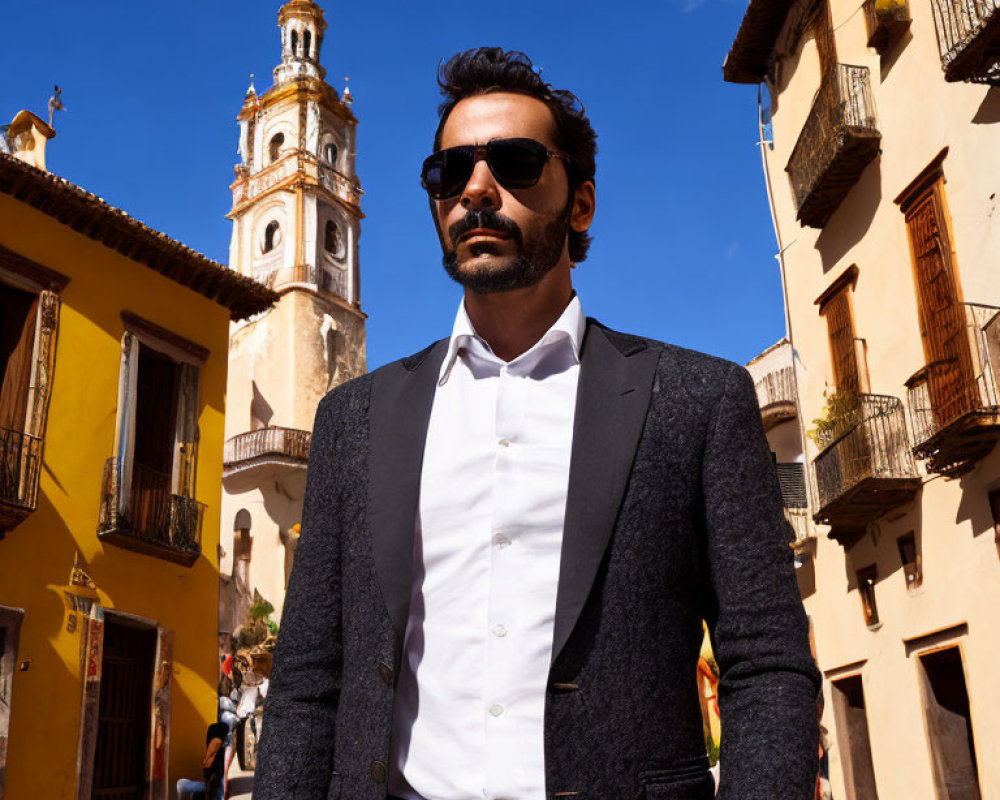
296, 222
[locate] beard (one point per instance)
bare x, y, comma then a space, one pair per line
527, 267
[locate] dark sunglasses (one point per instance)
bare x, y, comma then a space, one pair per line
515, 163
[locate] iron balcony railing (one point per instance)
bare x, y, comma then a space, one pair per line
886, 21
802, 526
840, 137
777, 386
20, 460
869, 441
305, 274
153, 519
266, 445
968, 33
944, 395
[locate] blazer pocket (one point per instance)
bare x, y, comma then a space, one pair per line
687, 780
333, 790
699, 787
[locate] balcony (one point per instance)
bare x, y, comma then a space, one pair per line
886, 21
839, 139
332, 280
865, 467
264, 447
20, 459
792, 480
153, 521
956, 410
968, 33
776, 397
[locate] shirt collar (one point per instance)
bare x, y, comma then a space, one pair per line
570, 326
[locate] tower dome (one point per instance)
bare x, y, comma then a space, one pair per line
302, 27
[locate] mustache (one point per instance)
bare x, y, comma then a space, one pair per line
485, 218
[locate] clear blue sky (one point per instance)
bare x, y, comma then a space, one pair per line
683, 247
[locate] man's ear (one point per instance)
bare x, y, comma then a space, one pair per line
584, 206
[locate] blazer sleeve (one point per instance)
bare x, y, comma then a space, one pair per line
295, 752
768, 679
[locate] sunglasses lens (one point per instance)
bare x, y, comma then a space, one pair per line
516, 163
446, 172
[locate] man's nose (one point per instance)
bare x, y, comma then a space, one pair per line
481, 189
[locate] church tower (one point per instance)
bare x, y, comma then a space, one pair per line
296, 222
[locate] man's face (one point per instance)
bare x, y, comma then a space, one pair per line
496, 239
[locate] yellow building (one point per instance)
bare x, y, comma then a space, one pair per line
881, 157
114, 349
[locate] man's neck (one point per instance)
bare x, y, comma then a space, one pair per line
513, 322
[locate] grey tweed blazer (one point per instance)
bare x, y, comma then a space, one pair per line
673, 515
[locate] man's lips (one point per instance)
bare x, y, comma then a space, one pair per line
483, 232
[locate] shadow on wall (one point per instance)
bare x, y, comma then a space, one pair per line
891, 56
989, 109
879, 546
845, 230
976, 487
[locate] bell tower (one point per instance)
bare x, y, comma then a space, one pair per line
296, 223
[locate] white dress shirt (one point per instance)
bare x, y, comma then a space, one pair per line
469, 707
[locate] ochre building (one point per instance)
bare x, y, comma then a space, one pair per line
881, 161
113, 350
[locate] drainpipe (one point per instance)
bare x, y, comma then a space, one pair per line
780, 256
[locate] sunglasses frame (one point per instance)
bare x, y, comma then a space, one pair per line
482, 152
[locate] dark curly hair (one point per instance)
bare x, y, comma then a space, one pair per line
484, 70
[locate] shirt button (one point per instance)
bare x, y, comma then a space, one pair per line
496, 709
501, 541
499, 630
504, 442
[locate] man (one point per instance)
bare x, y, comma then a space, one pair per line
510, 539
211, 787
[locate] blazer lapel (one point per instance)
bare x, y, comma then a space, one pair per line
616, 378
398, 415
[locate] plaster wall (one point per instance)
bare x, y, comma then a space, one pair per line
37, 556
919, 114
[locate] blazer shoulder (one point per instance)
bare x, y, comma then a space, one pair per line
689, 362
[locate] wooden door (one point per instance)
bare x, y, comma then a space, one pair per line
840, 327
950, 379
125, 711
851, 719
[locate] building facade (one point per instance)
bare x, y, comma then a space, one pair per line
111, 437
296, 223
881, 157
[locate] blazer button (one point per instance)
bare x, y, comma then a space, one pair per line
386, 672
378, 772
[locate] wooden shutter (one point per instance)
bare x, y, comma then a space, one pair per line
17, 341
40, 390
826, 44
942, 317
186, 430
125, 434
840, 326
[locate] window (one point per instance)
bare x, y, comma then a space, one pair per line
274, 146
949, 724
943, 329
835, 306
866, 588
295, 43
306, 43
10, 627
910, 560
994, 498
148, 500
330, 153
29, 314
851, 718
331, 239
272, 237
